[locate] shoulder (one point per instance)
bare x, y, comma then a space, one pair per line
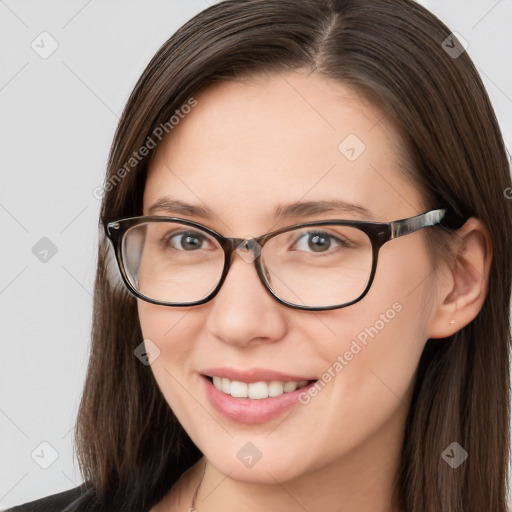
54, 503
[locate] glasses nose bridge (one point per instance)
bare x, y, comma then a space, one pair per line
249, 244
244, 247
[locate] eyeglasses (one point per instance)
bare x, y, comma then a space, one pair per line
315, 266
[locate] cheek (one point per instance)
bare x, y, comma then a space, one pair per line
175, 331
365, 388
169, 329
381, 340
376, 358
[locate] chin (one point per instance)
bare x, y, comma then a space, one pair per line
271, 466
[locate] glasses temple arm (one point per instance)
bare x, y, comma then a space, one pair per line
431, 218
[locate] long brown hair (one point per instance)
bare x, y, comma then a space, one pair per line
130, 446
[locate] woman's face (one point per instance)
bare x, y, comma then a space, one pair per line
243, 151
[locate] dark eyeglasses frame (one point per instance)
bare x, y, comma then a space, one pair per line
378, 232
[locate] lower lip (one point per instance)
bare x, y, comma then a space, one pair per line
251, 411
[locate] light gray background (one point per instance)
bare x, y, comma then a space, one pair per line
58, 119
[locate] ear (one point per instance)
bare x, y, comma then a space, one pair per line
463, 284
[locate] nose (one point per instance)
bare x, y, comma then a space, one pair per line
243, 312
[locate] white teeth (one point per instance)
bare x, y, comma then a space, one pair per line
239, 389
275, 388
255, 390
226, 386
290, 386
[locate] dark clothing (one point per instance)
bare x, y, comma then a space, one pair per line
54, 503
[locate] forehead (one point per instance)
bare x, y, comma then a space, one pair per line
249, 146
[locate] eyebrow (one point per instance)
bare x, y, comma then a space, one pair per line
282, 211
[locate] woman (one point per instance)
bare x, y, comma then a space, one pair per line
302, 295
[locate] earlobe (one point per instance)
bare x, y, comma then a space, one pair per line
462, 288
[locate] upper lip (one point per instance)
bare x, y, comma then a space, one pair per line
254, 375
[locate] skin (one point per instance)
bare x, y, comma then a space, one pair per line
244, 149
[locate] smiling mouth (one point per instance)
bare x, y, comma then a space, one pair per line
255, 390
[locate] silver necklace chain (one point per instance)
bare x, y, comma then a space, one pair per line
193, 504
